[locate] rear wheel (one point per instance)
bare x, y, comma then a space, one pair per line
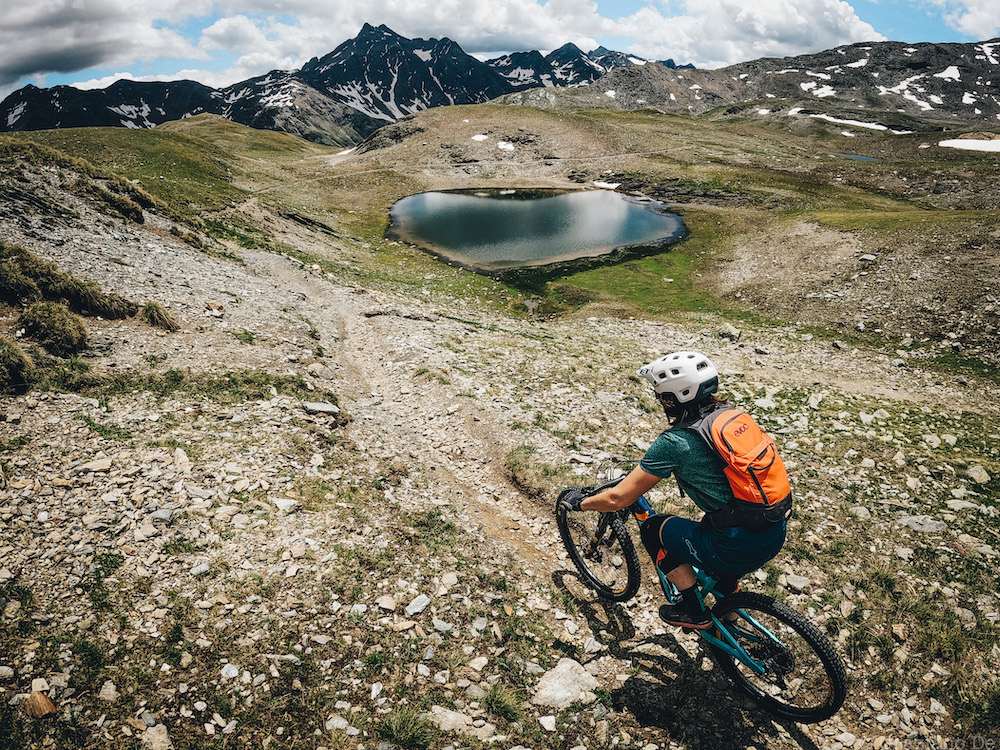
803, 680
602, 551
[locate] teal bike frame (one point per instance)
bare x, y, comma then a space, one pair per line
706, 585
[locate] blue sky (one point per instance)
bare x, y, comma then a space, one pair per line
91, 43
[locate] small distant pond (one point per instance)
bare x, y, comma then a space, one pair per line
856, 157
490, 231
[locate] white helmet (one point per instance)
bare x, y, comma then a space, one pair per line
687, 376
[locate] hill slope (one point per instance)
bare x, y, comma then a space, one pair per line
220, 531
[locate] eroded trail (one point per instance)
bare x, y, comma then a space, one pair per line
413, 400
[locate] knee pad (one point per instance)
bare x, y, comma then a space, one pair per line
649, 532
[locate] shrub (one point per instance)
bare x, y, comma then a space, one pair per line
154, 314
86, 298
503, 702
16, 369
408, 729
15, 286
53, 326
26, 278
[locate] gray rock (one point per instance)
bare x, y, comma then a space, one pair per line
156, 738
729, 331
418, 605
285, 504
320, 407
109, 693
798, 583
924, 524
563, 684
978, 474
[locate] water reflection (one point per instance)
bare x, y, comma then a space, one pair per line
495, 230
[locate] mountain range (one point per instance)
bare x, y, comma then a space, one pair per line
886, 85
366, 82
379, 77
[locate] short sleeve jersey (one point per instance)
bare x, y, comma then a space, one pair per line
699, 470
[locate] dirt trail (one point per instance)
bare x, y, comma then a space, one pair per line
456, 443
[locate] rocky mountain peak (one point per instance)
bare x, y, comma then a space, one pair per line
379, 76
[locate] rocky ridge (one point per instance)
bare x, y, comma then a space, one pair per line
286, 532
862, 85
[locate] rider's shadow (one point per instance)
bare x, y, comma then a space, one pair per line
686, 695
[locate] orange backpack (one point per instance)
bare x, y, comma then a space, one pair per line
753, 467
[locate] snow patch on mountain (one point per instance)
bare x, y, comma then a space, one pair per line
135, 116
352, 95
970, 144
989, 52
15, 114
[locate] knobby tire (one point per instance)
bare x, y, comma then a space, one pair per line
609, 566
806, 679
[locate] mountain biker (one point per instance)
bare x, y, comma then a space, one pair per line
685, 384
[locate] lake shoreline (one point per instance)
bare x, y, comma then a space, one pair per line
525, 230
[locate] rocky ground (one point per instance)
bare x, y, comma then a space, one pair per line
320, 514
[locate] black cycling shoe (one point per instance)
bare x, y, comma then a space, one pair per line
677, 614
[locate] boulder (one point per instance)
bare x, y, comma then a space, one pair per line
565, 683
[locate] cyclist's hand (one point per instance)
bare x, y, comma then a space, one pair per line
571, 497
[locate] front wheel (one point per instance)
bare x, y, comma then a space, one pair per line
803, 677
602, 551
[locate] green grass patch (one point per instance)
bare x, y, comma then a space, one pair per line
244, 336
434, 529
17, 371
948, 361
407, 729
105, 565
158, 317
108, 432
186, 173
25, 279
535, 478
237, 231
502, 701
53, 326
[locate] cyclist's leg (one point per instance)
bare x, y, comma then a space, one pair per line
674, 560
743, 551
677, 571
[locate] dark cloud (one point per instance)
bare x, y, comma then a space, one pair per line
67, 59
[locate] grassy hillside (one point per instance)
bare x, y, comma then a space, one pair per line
206, 517
746, 187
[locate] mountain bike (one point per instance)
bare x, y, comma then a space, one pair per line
770, 651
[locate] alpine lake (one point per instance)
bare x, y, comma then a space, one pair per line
515, 233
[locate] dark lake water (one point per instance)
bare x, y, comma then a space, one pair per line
494, 230
856, 157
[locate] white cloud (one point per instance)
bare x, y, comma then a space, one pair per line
979, 19
63, 36
251, 37
743, 31
234, 34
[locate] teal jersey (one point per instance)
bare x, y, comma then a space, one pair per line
699, 469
